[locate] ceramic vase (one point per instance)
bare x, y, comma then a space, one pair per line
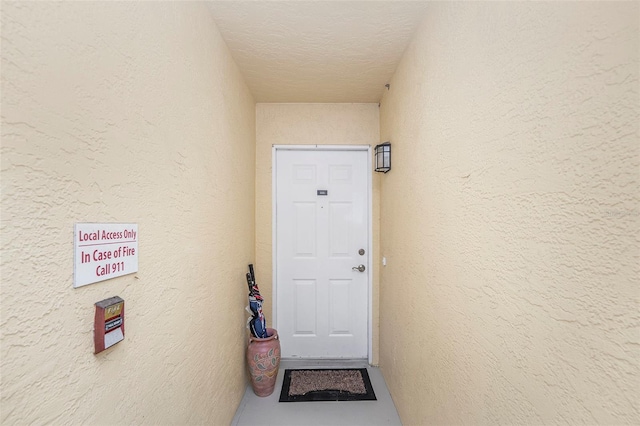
263, 360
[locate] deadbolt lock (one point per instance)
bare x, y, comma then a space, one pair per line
361, 252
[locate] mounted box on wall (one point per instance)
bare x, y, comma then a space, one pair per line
109, 323
383, 157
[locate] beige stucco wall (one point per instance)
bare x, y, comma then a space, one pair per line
511, 217
124, 112
309, 124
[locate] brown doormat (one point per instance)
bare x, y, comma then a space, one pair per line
343, 384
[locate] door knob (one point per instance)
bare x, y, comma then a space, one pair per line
360, 268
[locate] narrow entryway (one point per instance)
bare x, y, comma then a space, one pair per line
255, 411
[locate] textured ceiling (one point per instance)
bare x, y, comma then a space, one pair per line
317, 51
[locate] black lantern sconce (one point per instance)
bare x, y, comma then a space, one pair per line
383, 157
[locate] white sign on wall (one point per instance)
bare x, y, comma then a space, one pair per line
104, 251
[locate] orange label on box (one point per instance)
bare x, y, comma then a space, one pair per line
113, 310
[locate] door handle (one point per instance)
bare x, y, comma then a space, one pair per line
359, 268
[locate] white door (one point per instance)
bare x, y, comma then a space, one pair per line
322, 236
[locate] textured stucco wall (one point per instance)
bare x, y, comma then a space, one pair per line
511, 217
124, 112
308, 124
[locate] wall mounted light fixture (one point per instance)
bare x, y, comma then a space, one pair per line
383, 157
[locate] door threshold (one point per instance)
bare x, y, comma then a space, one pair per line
324, 362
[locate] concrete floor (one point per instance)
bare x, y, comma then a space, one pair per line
255, 411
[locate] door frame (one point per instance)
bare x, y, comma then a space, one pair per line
274, 260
